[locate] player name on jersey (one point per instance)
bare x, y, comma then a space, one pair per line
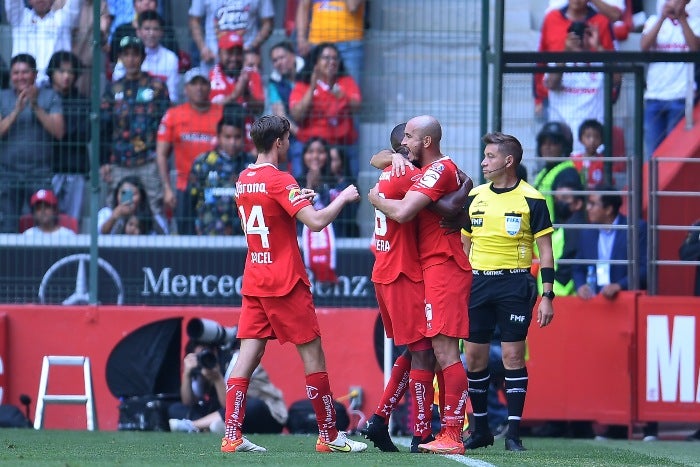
260, 257
383, 245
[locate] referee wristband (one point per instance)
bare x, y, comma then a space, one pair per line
547, 275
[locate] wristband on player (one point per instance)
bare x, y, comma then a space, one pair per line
547, 275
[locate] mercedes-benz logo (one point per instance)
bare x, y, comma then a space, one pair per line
80, 295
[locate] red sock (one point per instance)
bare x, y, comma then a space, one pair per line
318, 390
236, 389
421, 387
441, 391
455, 395
395, 388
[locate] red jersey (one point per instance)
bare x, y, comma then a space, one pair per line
553, 37
190, 133
266, 206
434, 246
329, 117
396, 245
223, 85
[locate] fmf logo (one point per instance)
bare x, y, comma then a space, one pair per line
671, 366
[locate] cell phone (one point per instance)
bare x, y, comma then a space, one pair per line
127, 196
578, 28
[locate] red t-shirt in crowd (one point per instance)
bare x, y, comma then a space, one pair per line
267, 206
329, 117
190, 133
553, 34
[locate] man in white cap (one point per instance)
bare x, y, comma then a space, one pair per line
187, 130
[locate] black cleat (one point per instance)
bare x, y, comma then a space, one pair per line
418, 440
479, 440
513, 444
377, 432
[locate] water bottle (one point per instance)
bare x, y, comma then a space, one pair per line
591, 278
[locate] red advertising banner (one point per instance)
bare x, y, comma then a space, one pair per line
668, 376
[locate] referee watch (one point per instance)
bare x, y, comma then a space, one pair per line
549, 294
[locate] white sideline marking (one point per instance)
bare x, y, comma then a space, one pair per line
406, 442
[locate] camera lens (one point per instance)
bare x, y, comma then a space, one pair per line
207, 359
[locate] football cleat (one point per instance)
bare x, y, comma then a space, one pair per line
478, 440
418, 440
444, 443
513, 444
340, 444
377, 432
240, 445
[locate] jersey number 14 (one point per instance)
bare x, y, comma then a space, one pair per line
255, 224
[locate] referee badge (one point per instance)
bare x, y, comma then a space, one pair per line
513, 224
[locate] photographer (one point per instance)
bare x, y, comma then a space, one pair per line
203, 392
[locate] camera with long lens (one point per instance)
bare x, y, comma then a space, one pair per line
207, 331
210, 333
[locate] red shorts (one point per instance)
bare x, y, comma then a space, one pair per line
402, 307
291, 318
447, 288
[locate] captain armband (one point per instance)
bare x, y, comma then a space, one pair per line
547, 275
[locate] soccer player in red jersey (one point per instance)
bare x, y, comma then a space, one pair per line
398, 282
446, 272
277, 302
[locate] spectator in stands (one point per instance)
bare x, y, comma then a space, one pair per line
601, 244
324, 100
160, 61
40, 31
131, 111
136, 225
187, 130
554, 140
232, 83
71, 159
575, 26
45, 212
252, 60
672, 30
590, 135
31, 118
285, 66
130, 198
612, 9
81, 39
202, 395
250, 19
128, 29
346, 222
340, 22
212, 182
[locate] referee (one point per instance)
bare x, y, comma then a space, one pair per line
505, 217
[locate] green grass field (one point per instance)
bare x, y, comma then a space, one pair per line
82, 448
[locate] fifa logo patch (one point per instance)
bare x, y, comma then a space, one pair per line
512, 224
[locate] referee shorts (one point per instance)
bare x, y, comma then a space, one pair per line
501, 298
